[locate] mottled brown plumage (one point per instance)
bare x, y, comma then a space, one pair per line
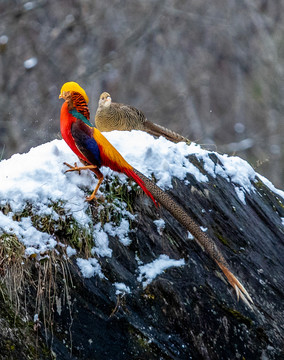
113, 116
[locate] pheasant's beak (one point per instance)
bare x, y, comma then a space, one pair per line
64, 95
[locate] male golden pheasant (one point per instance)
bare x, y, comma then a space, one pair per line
87, 142
94, 150
113, 116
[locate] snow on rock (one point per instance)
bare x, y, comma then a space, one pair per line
35, 241
190, 236
90, 267
271, 186
160, 225
148, 272
166, 160
121, 231
158, 156
121, 288
38, 178
101, 241
70, 251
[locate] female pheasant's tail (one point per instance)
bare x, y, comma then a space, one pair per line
158, 130
201, 238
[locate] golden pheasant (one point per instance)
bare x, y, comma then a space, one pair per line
113, 116
87, 142
95, 151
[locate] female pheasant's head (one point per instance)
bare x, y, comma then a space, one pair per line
70, 87
105, 100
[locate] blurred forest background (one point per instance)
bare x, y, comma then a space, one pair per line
210, 70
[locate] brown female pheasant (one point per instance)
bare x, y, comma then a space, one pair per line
114, 116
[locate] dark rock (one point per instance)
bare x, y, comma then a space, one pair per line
189, 312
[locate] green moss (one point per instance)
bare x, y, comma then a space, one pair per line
148, 295
79, 238
258, 184
10, 347
7, 312
115, 192
117, 200
238, 316
141, 340
222, 239
142, 346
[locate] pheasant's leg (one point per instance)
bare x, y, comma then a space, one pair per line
79, 168
100, 178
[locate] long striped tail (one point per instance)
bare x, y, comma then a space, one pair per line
158, 130
201, 238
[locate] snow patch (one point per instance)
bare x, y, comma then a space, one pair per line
121, 288
90, 267
271, 186
148, 272
36, 242
241, 194
160, 157
101, 241
121, 231
38, 177
160, 225
190, 236
70, 251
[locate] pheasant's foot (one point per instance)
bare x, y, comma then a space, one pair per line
91, 197
72, 168
79, 168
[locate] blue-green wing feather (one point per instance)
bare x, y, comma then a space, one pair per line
80, 116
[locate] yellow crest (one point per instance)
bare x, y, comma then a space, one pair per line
73, 86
